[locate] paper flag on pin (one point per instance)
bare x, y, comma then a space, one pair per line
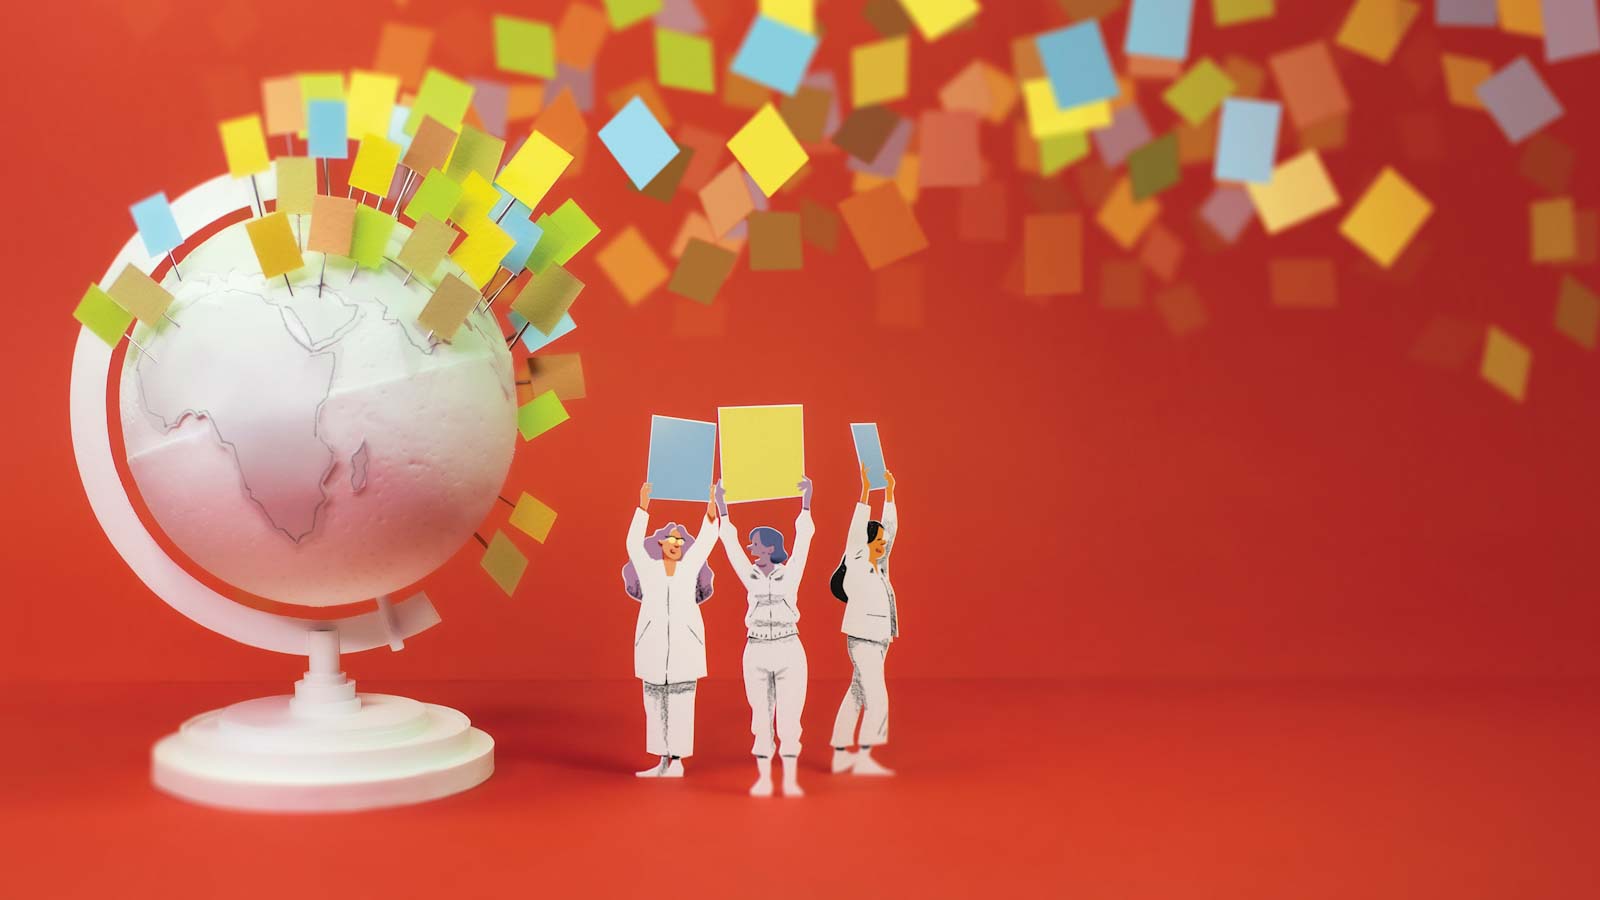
325, 130
430, 147
533, 169
370, 237
566, 231
532, 517
547, 297
138, 293
540, 414
480, 253
333, 221
475, 152
102, 316
478, 198
297, 183
274, 243
504, 563
559, 372
524, 46
282, 106
441, 96
437, 196
426, 247
370, 103
448, 307
157, 227
373, 170
245, 145
638, 142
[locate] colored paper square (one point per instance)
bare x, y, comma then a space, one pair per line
682, 456
1199, 92
430, 147
774, 54
540, 414
1522, 17
373, 170
819, 226
274, 244
951, 153
1309, 83
527, 235
425, 247
566, 231
245, 145
442, 96
1386, 217
763, 451
869, 453
139, 294
158, 229
1181, 310
1466, 13
297, 183
1552, 230
370, 237
1154, 167
281, 106
632, 265
638, 142
1128, 131
1519, 100
1300, 189
580, 34
1075, 61
801, 14
726, 200
333, 220
1125, 218
936, 18
448, 307
1462, 75
775, 244
437, 196
533, 169
524, 46
701, 271
547, 297
1159, 28
1373, 28
1047, 119
403, 51
535, 340
864, 132
1505, 364
100, 314
1302, 283
1571, 29
1578, 312
532, 517
370, 103
1238, 12
767, 150
1247, 140
480, 253
504, 563
325, 127
883, 225
475, 151
664, 187
1052, 254
1162, 252
683, 61
559, 372
879, 71
626, 13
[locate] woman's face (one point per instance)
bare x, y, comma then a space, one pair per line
878, 547
672, 545
759, 552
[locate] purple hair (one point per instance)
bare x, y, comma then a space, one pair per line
652, 548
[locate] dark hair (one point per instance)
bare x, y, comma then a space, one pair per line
773, 538
836, 584
652, 548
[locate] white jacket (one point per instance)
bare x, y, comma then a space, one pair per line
669, 641
870, 613
774, 609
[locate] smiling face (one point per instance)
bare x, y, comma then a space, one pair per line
672, 545
760, 553
878, 547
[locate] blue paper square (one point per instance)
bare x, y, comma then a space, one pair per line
397, 128
869, 452
1159, 28
325, 130
1518, 100
527, 235
641, 146
534, 339
682, 452
1247, 140
1075, 60
157, 228
775, 55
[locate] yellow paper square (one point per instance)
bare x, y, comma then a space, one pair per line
1373, 28
245, 145
297, 184
478, 196
1046, 120
1124, 218
532, 517
1299, 190
879, 71
479, 255
533, 169
320, 86
274, 243
763, 451
936, 18
768, 150
370, 103
1522, 17
632, 265
1386, 217
1462, 75
504, 563
373, 170
1506, 362
1553, 230
800, 14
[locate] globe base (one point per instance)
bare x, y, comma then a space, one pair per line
325, 749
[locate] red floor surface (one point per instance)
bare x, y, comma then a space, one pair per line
1005, 789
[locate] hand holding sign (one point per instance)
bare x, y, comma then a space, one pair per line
869, 452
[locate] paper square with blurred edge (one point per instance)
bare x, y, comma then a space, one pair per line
879, 71
297, 183
547, 297
1578, 312
281, 106
774, 54
951, 153
775, 243
1154, 167
936, 18
245, 145
883, 225
1247, 141
1159, 28
682, 457
1125, 218
1521, 17
532, 517
1046, 118
1552, 230
1199, 92
442, 96
1308, 81
1302, 283
869, 452
100, 314
436, 196
1571, 29
1300, 189
370, 104
684, 61
524, 46
333, 219
447, 308
1238, 12
534, 340
1506, 362
158, 229
403, 50
274, 243
726, 200
533, 169
540, 414
504, 563
1462, 75
559, 372
632, 265
1374, 28
1466, 13
1052, 250
763, 451
1518, 100
767, 150
566, 231
626, 13
326, 128
1076, 63
638, 142
701, 271
1386, 217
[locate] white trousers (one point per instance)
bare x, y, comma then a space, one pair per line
867, 698
775, 684
669, 719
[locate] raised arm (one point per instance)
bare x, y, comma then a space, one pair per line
727, 534
804, 529
891, 515
706, 540
641, 518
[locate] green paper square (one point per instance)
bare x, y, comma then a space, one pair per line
443, 97
684, 61
566, 231
540, 414
1199, 92
101, 315
504, 562
524, 46
624, 13
437, 197
1154, 167
370, 237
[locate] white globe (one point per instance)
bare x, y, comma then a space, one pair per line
314, 450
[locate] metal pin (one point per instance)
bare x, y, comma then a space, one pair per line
349, 191
260, 210
506, 502
327, 176
175, 272
142, 349
364, 198
169, 318
321, 273
520, 381
288, 143
497, 290
519, 334
288, 285
353, 271
481, 540
502, 214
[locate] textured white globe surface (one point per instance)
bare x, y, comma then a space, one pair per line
314, 450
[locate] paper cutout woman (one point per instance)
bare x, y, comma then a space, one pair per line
775, 669
668, 575
871, 623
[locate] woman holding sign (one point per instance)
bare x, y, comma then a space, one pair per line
774, 661
871, 623
668, 575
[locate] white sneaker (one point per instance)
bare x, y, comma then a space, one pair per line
674, 769
791, 777
866, 765
654, 771
843, 761
763, 785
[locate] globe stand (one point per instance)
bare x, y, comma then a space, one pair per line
326, 748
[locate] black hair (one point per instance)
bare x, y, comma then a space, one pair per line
836, 584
